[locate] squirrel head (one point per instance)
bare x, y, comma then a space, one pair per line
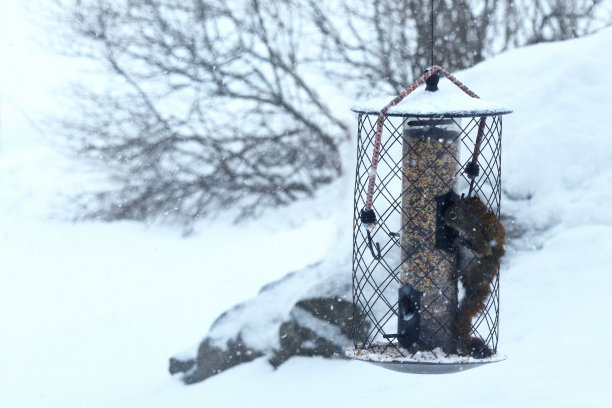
472, 219
466, 213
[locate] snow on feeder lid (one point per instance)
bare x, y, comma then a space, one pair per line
436, 229
448, 100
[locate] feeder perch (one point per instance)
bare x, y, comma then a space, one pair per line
417, 156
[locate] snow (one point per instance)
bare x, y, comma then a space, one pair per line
447, 100
258, 319
91, 312
318, 326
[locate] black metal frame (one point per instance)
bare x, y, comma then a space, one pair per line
376, 279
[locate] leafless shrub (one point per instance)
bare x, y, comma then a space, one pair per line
214, 104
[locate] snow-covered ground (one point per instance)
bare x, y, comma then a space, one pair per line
90, 312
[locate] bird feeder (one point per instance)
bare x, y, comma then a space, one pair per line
418, 157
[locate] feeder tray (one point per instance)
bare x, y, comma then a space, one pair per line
422, 362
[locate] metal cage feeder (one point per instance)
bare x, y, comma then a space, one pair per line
425, 290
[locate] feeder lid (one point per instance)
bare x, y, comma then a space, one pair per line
448, 100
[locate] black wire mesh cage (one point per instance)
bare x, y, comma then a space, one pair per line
426, 258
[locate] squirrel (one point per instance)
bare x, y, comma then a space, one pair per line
480, 244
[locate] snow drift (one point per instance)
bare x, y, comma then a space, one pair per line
557, 179
90, 312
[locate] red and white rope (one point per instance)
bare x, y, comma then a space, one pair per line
383, 115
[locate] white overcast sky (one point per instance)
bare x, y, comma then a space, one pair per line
31, 74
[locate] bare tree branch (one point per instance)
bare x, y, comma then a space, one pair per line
216, 104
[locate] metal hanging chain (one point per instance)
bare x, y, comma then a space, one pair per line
432, 32
368, 216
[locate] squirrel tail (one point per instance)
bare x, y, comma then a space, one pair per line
469, 308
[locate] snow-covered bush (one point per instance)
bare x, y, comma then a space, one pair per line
217, 104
